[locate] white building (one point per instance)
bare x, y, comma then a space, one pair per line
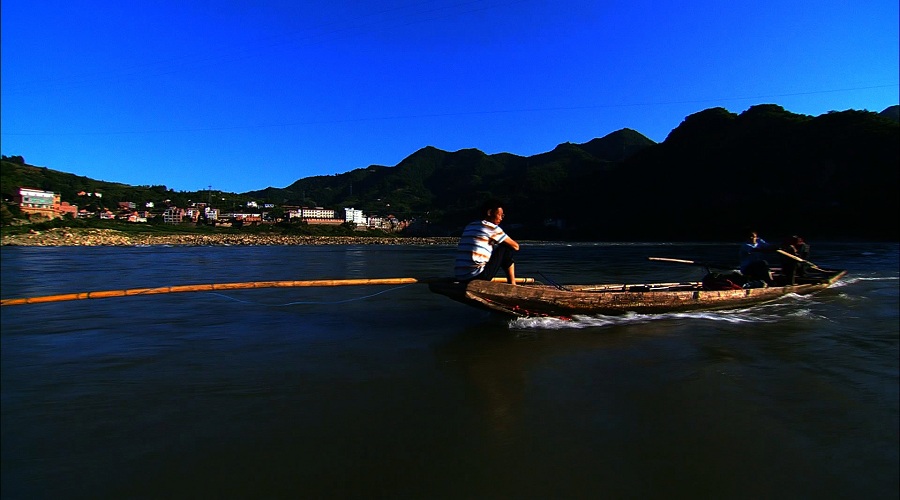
37, 199
316, 213
355, 216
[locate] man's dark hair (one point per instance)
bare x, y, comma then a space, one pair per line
490, 204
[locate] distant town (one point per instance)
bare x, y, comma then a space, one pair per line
49, 205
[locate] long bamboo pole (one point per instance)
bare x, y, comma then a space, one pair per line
227, 286
666, 259
799, 259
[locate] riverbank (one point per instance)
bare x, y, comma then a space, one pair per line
109, 237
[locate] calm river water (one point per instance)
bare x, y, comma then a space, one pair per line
394, 392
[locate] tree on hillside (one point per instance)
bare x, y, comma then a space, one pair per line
14, 159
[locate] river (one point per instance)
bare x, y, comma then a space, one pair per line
395, 392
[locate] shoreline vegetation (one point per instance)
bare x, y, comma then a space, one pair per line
57, 237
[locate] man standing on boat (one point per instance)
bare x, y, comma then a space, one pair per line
485, 248
793, 248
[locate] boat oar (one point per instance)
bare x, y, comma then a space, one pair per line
229, 286
799, 259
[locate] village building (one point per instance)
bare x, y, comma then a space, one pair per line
317, 215
354, 216
65, 209
44, 203
173, 215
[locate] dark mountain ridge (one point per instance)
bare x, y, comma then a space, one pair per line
445, 186
767, 168
716, 176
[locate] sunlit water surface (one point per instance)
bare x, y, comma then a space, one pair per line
392, 391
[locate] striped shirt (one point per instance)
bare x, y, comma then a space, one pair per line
475, 248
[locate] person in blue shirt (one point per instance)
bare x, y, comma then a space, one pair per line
485, 248
753, 259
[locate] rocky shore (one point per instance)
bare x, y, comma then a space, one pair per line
109, 237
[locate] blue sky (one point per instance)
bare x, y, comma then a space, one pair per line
245, 94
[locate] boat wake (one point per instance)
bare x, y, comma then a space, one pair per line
791, 307
857, 279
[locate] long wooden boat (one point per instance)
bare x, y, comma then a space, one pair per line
613, 299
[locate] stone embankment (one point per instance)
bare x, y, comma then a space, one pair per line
110, 237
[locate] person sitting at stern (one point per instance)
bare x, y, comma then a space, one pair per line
485, 248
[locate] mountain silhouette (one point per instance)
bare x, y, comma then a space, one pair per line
716, 176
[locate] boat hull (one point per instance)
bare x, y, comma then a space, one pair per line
615, 299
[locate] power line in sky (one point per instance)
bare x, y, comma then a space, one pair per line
453, 114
